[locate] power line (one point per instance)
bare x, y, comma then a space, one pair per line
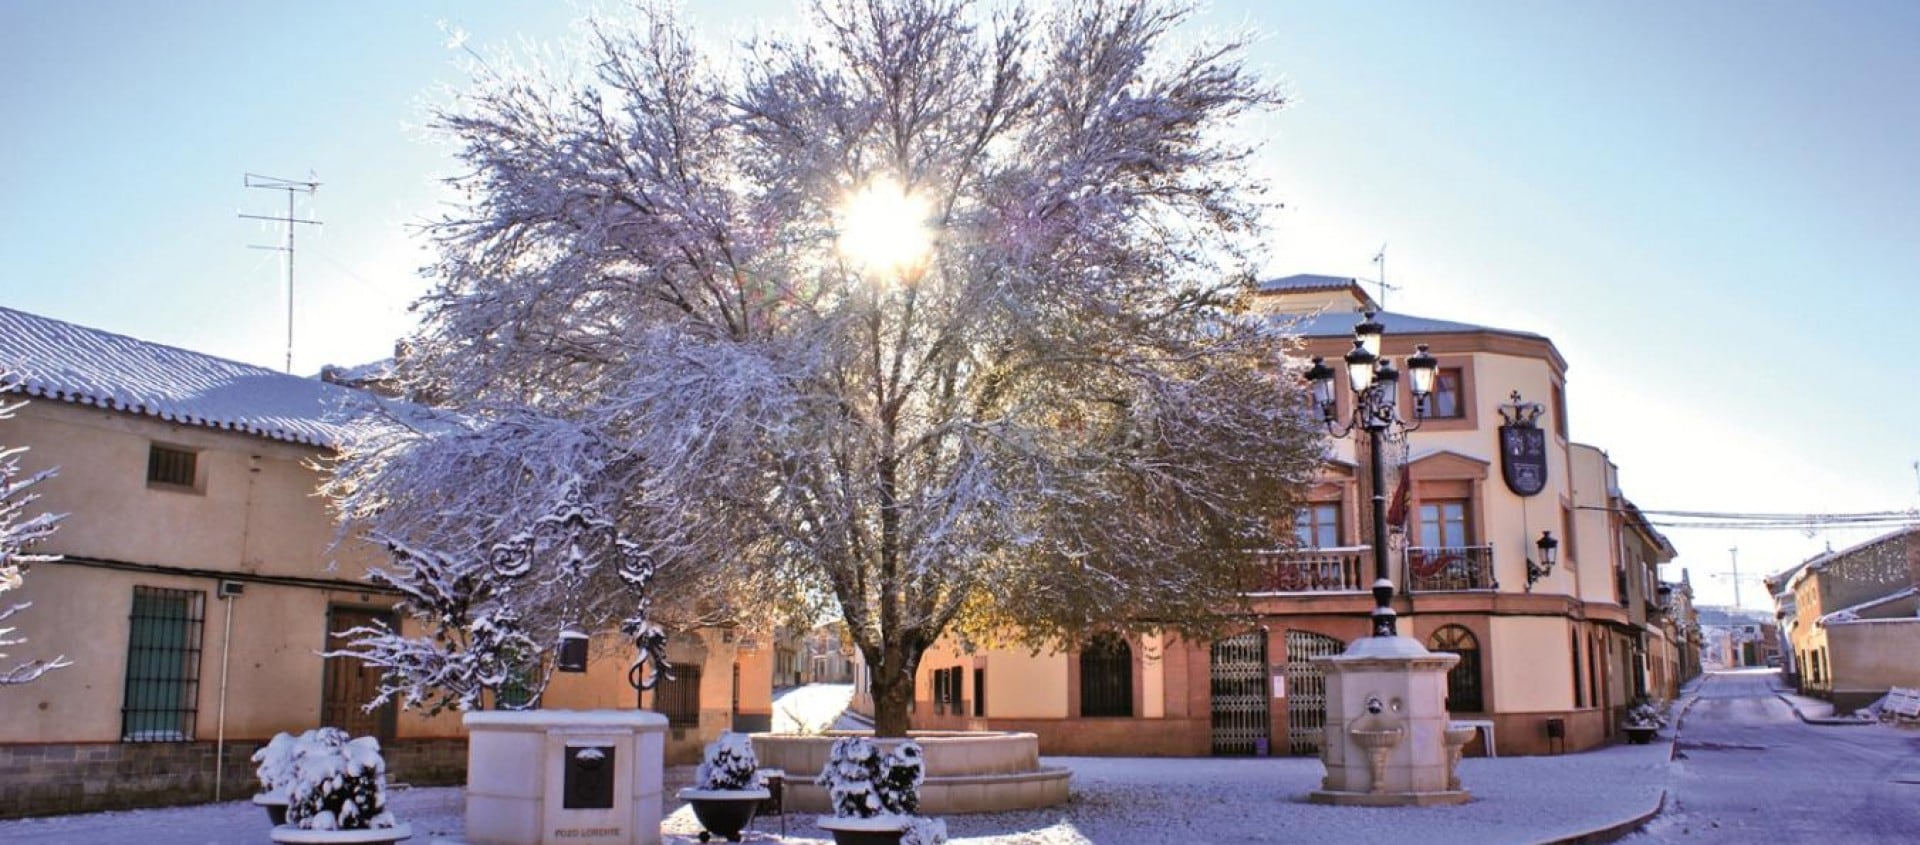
1757, 521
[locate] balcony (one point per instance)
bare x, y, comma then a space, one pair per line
1349, 569
1346, 569
1437, 569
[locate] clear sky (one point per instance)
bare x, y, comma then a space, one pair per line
1712, 208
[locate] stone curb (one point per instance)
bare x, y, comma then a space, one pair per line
1625, 827
1815, 720
1612, 832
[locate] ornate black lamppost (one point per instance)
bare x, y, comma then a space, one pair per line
1375, 385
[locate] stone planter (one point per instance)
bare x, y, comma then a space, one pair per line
879, 830
1641, 734
724, 812
276, 807
365, 836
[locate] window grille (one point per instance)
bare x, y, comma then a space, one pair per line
170, 466
678, 697
1463, 680
517, 691
1106, 677
163, 665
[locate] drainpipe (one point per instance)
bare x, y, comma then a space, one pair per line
227, 590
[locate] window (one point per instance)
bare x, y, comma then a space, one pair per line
1106, 677
1463, 680
170, 466
1449, 401
979, 692
946, 691
1317, 526
1443, 523
1560, 411
678, 697
163, 665
1579, 674
517, 691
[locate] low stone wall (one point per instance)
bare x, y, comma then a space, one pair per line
990, 771
61, 778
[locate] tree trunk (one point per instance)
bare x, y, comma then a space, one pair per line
893, 693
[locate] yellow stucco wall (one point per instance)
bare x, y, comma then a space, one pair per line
253, 512
1871, 656
1511, 523
1530, 670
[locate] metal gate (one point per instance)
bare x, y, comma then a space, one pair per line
1240, 712
1307, 689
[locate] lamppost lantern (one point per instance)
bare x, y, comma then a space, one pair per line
1376, 386
1369, 333
1422, 368
1549, 555
1320, 380
1360, 366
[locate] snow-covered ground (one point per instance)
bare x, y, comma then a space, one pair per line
1125, 801
1118, 800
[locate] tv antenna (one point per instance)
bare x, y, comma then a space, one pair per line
1380, 261
291, 186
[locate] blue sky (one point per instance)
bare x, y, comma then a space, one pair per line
1710, 207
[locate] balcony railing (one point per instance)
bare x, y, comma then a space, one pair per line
1433, 569
1347, 569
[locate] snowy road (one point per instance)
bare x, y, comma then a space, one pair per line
1748, 770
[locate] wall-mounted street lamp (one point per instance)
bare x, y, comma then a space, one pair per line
1549, 555
1375, 384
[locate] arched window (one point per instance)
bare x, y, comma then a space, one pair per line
1106, 677
1463, 680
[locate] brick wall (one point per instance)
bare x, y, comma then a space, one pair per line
60, 778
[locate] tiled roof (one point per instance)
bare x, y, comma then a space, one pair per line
1340, 324
1306, 281
70, 363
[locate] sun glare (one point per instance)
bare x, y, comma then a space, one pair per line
884, 228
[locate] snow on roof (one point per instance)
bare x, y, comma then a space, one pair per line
1306, 281
1340, 324
71, 363
1852, 613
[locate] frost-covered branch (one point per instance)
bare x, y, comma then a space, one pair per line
19, 532
1062, 419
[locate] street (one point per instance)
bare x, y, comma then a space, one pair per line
1747, 770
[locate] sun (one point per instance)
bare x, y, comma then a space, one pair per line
883, 228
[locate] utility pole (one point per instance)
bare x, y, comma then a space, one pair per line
274, 183
1735, 551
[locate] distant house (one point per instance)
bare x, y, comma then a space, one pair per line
201, 581
1855, 630
1550, 661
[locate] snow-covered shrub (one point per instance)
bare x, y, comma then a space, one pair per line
921, 831
338, 783
900, 778
1651, 713
729, 764
275, 764
861, 782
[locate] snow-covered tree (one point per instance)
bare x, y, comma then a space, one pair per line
928, 315
20, 531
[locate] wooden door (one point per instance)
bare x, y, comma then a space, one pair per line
350, 684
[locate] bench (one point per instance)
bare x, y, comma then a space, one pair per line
1902, 702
